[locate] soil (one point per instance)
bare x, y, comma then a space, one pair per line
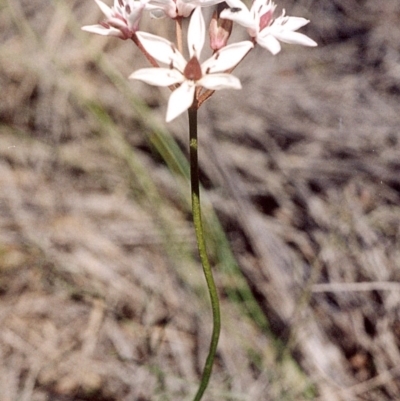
102, 296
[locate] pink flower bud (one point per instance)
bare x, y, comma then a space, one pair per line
220, 31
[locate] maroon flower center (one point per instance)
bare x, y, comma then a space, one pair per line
192, 70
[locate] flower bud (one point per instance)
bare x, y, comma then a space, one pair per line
220, 31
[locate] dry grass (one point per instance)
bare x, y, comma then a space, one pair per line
101, 294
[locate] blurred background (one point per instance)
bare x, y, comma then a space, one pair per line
102, 296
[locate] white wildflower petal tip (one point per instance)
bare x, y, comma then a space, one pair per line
295, 38
180, 100
158, 76
294, 23
196, 33
270, 43
101, 30
162, 50
226, 58
241, 15
220, 81
107, 11
236, 4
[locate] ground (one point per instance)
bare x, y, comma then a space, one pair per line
101, 292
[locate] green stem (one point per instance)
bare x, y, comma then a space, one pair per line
198, 226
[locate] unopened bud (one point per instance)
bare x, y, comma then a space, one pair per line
220, 31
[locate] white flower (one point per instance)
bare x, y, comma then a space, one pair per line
190, 74
177, 8
122, 20
266, 30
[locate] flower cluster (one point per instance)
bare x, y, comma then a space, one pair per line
193, 82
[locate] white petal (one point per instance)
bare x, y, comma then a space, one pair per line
261, 7
220, 81
226, 58
100, 30
158, 76
269, 43
117, 23
162, 50
161, 8
291, 23
295, 38
180, 100
196, 33
135, 16
236, 4
242, 17
118, 9
104, 9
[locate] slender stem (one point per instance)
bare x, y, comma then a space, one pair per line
196, 210
178, 25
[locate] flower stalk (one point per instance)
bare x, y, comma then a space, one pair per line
198, 226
